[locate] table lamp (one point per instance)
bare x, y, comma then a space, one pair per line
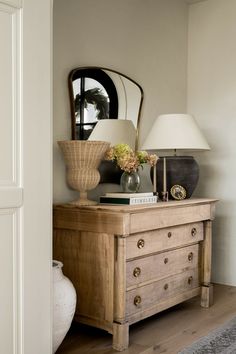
114, 131
176, 132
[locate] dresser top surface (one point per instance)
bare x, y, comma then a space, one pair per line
139, 208
129, 219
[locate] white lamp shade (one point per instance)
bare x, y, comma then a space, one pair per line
115, 131
175, 131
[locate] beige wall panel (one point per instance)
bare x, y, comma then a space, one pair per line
146, 40
7, 306
212, 100
11, 195
7, 121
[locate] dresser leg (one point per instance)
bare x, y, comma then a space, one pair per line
120, 336
207, 287
207, 295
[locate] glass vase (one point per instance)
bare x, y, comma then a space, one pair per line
130, 182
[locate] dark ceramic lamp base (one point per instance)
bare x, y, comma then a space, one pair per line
109, 172
180, 170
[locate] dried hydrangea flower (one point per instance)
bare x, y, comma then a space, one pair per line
127, 159
152, 159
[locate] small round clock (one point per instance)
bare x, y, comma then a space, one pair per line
178, 192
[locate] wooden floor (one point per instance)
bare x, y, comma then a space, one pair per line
167, 332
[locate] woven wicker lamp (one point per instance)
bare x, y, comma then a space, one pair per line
82, 159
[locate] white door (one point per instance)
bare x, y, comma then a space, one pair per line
25, 177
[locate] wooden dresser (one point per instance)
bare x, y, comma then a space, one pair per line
130, 262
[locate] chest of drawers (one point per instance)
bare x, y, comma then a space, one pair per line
130, 262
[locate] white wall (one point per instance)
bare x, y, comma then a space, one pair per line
25, 177
212, 99
146, 40
36, 246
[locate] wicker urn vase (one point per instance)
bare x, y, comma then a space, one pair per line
82, 158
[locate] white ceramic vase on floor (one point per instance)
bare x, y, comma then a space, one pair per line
64, 303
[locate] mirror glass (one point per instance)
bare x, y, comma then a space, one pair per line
101, 93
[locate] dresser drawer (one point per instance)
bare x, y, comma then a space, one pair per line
162, 239
157, 266
145, 297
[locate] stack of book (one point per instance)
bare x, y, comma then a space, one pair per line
128, 198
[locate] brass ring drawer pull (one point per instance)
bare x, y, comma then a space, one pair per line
190, 279
169, 234
194, 231
190, 256
136, 272
166, 286
137, 300
140, 243
166, 260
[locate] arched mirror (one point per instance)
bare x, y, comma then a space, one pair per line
101, 93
